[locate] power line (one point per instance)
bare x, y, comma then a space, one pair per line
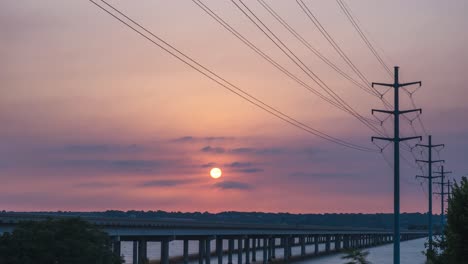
222, 82
346, 10
355, 24
257, 50
314, 50
418, 117
330, 39
292, 56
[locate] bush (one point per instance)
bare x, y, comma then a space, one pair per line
356, 257
65, 241
452, 248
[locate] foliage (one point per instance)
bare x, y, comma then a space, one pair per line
65, 241
357, 256
452, 248
408, 220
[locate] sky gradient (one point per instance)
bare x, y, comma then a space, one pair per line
95, 117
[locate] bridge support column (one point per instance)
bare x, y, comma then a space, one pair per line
254, 249
135, 252
265, 251
116, 246
316, 244
285, 248
142, 252
165, 251
273, 247
269, 248
290, 244
208, 251
247, 250
239, 251
186, 251
219, 250
303, 248
337, 242
327, 243
230, 250
201, 250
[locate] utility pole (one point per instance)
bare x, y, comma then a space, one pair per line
449, 191
442, 183
429, 162
396, 163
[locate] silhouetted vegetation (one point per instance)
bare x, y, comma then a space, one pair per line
357, 256
68, 241
452, 248
415, 221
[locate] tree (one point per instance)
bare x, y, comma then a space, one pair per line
452, 248
357, 256
64, 241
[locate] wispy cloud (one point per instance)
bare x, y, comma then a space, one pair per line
208, 165
239, 164
243, 167
250, 170
124, 165
166, 183
95, 185
322, 175
101, 148
226, 185
210, 149
191, 139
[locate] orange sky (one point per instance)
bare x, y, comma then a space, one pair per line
96, 117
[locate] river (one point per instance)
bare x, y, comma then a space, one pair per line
410, 253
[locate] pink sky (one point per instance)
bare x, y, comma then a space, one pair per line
95, 117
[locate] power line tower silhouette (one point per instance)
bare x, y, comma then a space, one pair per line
442, 183
396, 85
429, 162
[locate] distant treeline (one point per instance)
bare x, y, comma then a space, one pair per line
380, 220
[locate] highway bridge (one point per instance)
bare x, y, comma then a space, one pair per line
262, 240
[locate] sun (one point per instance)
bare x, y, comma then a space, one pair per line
215, 173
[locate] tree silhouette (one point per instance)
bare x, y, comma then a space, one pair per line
357, 256
452, 248
65, 241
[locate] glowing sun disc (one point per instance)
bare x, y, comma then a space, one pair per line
215, 173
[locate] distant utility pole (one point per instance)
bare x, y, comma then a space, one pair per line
442, 183
396, 163
429, 162
449, 191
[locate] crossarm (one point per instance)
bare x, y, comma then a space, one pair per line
411, 83
383, 84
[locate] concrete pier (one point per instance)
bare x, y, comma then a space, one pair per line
164, 251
